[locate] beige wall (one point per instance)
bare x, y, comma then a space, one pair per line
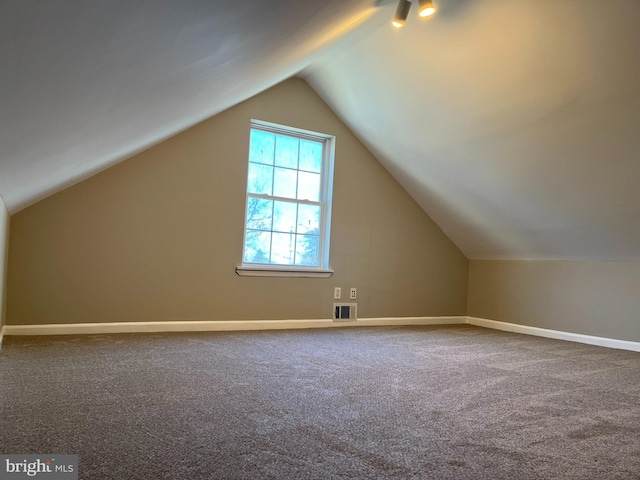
4, 250
158, 236
592, 298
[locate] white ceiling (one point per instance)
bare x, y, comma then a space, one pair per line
87, 83
515, 124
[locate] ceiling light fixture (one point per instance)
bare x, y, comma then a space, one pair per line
426, 8
401, 13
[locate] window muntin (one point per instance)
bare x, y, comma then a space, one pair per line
288, 210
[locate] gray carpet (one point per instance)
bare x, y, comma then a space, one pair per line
456, 402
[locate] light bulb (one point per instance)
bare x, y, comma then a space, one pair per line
426, 8
427, 11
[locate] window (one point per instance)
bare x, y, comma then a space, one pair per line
288, 210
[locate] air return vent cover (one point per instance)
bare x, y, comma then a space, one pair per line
345, 312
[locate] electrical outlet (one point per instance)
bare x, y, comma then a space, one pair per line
353, 294
337, 293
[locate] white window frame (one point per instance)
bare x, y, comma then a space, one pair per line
326, 194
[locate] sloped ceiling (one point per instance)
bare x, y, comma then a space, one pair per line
87, 83
514, 124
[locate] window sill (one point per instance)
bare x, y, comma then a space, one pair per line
259, 271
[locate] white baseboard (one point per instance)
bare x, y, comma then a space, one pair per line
242, 325
407, 321
557, 334
218, 326
1, 336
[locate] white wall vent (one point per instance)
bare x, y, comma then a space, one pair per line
345, 312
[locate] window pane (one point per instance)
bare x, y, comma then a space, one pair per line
259, 213
284, 219
309, 219
310, 156
286, 151
286, 197
257, 246
307, 250
284, 183
282, 248
262, 147
308, 186
260, 179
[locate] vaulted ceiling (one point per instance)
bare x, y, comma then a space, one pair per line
515, 125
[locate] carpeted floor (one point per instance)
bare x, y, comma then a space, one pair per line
457, 402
